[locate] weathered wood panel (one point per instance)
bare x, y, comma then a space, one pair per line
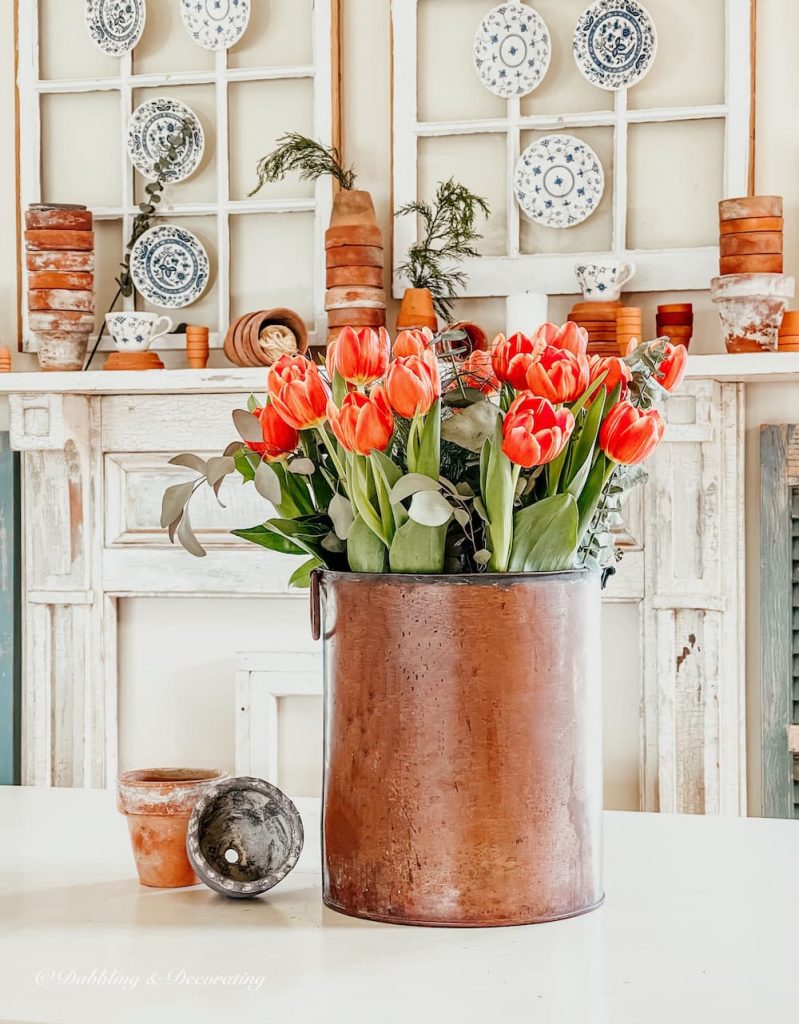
9, 614
776, 618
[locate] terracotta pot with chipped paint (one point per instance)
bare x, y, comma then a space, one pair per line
417, 310
751, 307
61, 350
158, 803
463, 746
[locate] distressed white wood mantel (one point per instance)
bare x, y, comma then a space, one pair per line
94, 452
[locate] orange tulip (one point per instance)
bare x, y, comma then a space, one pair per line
618, 372
629, 435
360, 356
364, 423
558, 375
570, 337
279, 438
298, 392
513, 357
412, 343
535, 432
413, 384
477, 372
672, 370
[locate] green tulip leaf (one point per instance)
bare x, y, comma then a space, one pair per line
418, 549
472, 427
545, 536
301, 577
268, 539
365, 551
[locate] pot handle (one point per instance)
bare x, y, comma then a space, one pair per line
316, 607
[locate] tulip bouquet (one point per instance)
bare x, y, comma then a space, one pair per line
408, 459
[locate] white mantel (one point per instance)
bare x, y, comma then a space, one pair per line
95, 448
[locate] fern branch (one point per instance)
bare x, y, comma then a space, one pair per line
309, 159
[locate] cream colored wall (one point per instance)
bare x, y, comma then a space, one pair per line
177, 657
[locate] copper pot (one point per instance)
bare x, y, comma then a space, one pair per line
463, 746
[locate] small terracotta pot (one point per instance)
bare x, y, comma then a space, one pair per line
355, 256
158, 803
5, 359
61, 350
751, 243
750, 206
60, 262
45, 279
477, 340
417, 310
61, 299
56, 216
751, 307
768, 264
47, 240
790, 322
353, 206
748, 224
356, 318
345, 277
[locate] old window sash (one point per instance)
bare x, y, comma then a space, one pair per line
553, 273
323, 72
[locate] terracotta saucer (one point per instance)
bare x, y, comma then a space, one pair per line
133, 361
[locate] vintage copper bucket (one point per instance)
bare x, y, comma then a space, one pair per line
463, 746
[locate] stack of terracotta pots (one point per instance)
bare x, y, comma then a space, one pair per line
629, 328
253, 339
675, 321
751, 239
5, 359
788, 340
59, 256
197, 346
599, 320
354, 247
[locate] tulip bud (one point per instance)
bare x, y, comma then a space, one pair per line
298, 392
559, 375
280, 439
364, 423
629, 435
413, 384
672, 369
534, 432
513, 357
360, 356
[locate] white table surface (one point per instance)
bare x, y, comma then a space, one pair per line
701, 924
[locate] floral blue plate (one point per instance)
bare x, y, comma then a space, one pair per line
512, 50
115, 25
559, 181
615, 43
215, 24
149, 129
169, 266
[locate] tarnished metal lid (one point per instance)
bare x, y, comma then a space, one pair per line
244, 837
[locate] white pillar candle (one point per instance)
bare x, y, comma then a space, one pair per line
525, 312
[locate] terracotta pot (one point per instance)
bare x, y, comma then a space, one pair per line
48, 240
61, 298
158, 803
751, 243
477, 339
61, 350
68, 218
768, 264
355, 297
749, 224
746, 207
751, 307
417, 310
355, 256
675, 319
463, 746
356, 318
353, 206
345, 277
353, 234
790, 322
60, 262
62, 281
5, 359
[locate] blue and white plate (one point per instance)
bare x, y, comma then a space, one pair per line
150, 127
169, 266
115, 25
615, 43
559, 181
215, 24
512, 50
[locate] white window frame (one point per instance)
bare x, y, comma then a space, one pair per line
323, 72
658, 270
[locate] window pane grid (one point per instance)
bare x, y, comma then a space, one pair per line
221, 207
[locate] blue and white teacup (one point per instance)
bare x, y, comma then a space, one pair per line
603, 280
135, 332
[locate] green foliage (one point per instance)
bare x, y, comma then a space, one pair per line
309, 159
448, 236
545, 536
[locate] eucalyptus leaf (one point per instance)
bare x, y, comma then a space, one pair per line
482, 557
173, 527
187, 537
302, 467
189, 461
341, 515
218, 468
174, 501
480, 509
248, 426
267, 483
234, 448
332, 543
472, 427
411, 484
462, 517
430, 508
464, 489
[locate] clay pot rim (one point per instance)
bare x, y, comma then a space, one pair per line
149, 778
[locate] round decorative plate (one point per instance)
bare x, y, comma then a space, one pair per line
115, 25
559, 181
149, 130
169, 266
215, 24
512, 50
615, 43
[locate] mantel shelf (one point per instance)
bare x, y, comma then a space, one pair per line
756, 368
